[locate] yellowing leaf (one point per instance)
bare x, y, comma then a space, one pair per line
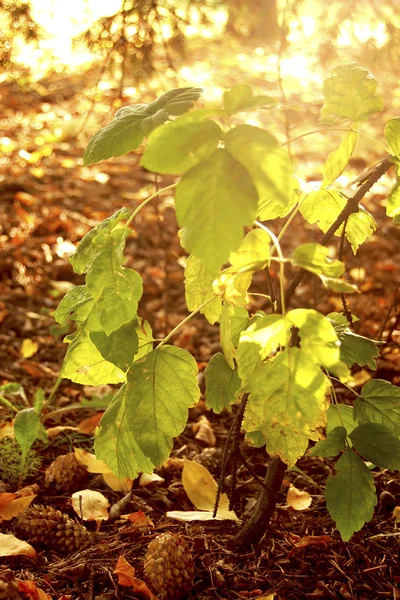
11, 506
396, 514
90, 506
116, 483
29, 348
93, 464
201, 488
55, 431
12, 546
6, 429
148, 478
297, 499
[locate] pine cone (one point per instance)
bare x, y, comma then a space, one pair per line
46, 526
66, 474
169, 567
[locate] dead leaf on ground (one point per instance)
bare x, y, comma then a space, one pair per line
93, 464
201, 488
11, 506
6, 429
89, 425
30, 589
28, 348
116, 483
90, 506
126, 577
204, 431
139, 520
396, 514
148, 478
297, 499
312, 540
55, 431
12, 546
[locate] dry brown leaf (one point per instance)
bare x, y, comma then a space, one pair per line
297, 499
6, 429
396, 514
30, 589
55, 431
139, 520
11, 506
89, 425
12, 546
90, 506
204, 431
126, 577
148, 478
28, 490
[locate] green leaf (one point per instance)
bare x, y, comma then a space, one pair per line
132, 123
222, 383
357, 349
198, 288
232, 286
287, 403
145, 338
26, 427
322, 207
260, 339
377, 444
214, 201
238, 322
393, 203
338, 285
90, 245
360, 227
254, 249
340, 415
332, 446
350, 495
350, 94
76, 305
120, 347
84, 364
136, 432
315, 258
392, 135
379, 403
177, 147
269, 167
240, 97
225, 333
338, 160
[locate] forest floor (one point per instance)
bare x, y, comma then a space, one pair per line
48, 201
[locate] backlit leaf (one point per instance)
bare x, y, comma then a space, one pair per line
337, 160
269, 167
198, 288
392, 135
137, 430
222, 383
360, 227
393, 204
118, 348
315, 258
225, 333
214, 201
350, 494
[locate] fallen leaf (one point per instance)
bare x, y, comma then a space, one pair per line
313, 540
93, 464
148, 478
30, 589
126, 577
36, 370
6, 429
89, 425
90, 506
28, 348
11, 506
201, 488
139, 520
55, 431
12, 546
116, 483
204, 431
195, 515
396, 514
297, 499
28, 490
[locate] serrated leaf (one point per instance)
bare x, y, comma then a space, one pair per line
337, 160
332, 446
377, 444
338, 285
226, 334
71, 306
222, 383
392, 135
350, 94
87, 249
254, 249
137, 430
177, 147
238, 322
350, 494
145, 338
269, 167
232, 286
393, 203
286, 403
118, 348
198, 288
214, 201
315, 258
26, 427
322, 207
340, 415
360, 227
379, 403
357, 349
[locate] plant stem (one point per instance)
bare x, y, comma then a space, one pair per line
281, 263
8, 404
149, 199
185, 320
324, 129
